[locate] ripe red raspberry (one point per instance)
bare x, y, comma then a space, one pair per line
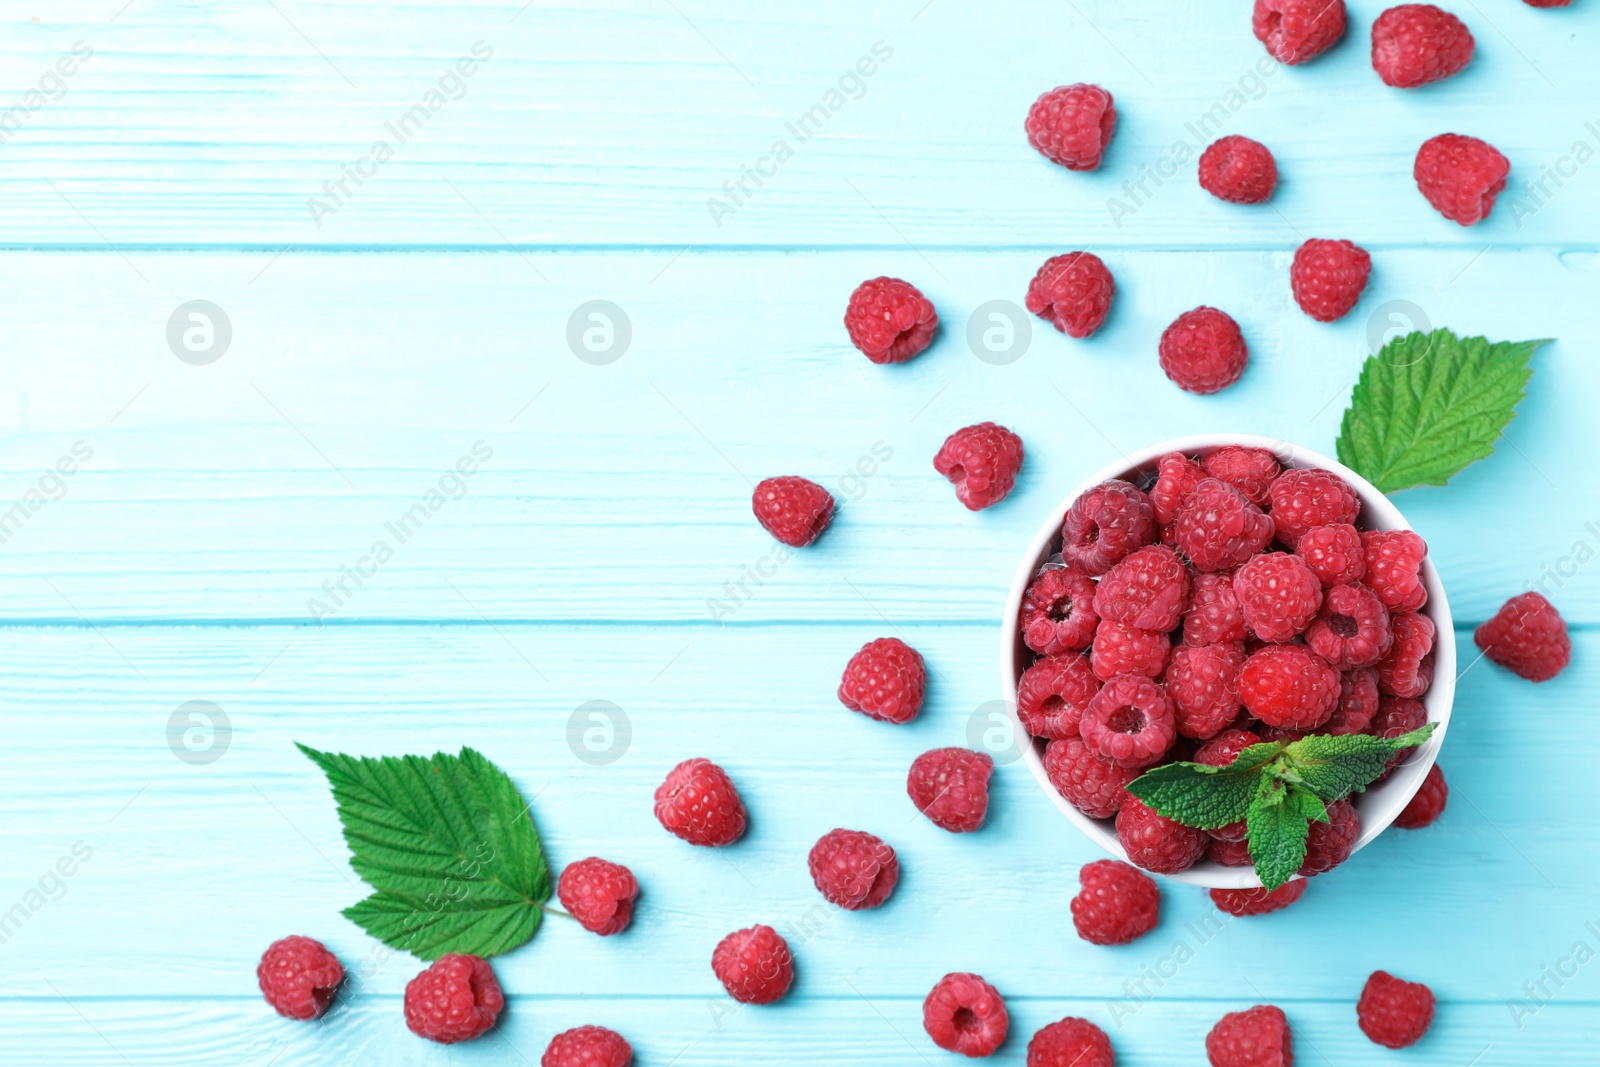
1228, 853
1330, 843
1358, 703
853, 869
1547, 3
1122, 649
699, 803
587, 1046
1129, 722
890, 320
1528, 637
1155, 842
965, 1014
1289, 686
1220, 751
1397, 716
1393, 1012
1328, 277
1295, 31
794, 510
1352, 629
1219, 529
754, 965
982, 462
1310, 497
1249, 470
1333, 553
1203, 351
1105, 524
885, 680
1203, 682
299, 977
1407, 669
1117, 903
1095, 786
1427, 804
1213, 617
1238, 170
1052, 695
598, 894
1072, 292
1071, 1042
1256, 1038
1149, 589
456, 999
1278, 595
1460, 176
1415, 44
1176, 477
1258, 901
951, 787
1394, 568
1072, 125
1058, 612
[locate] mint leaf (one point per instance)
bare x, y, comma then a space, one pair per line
1334, 767
1277, 832
448, 844
1196, 794
1429, 404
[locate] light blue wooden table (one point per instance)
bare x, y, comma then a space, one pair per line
378, 333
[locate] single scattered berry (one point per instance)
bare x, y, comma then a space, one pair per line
1407, 669
1053, 693
794, 510
890, 320
1072, 124
1249, 470
982, 462
456, 999
1415, 44
1104, 525
951, 787
1228, 853
1218, 529
698, 802
1328, 277
1203, 682
1122, 649
1072, 292
1358, 703
1310, 496
1460, 176
1289, 686
598, 894
965, 1014
1129, 722
1256, 1038
1528, 637
1155, 842
1071, 1042
853, 869
1117, 903
1330, 843
1394, 568
1427, 804
1278, 594
1351, 630
1393, 1012
299, 977
1058, 612
1213, 617
1148, 588
1333, 553
885, 680
1238, 170
1296, 31
588, 1046
1203, 351
1258, 901
1090, 783
755, 965
1176, 477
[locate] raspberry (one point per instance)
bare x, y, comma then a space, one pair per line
1393, 1012
1415, 44
1352, 629
1093, 785
1333, 553
1213, 617
456, 999
1289, 686
1278, 595
1330, 843
1203, 682
1129, 722
1155, 842
890, 320
1249, 470
1228, 853
1203, 351
951, 787
1072, 125
1397, 716
1528, 637
1394, 568
699, 803
598, 894
965, 1014
1058, 612
982, 462
1148, 589
1219, 529
587, 1046
884, 680
1547, 3
755, 965
1052, 695
1358, 703
1220, 751
1104, 525
1117, 903
853, 869
1258, 901
1295, 31
1460, 176
1176, 477
1238, 170
299, 977
1311, 497
1407, 669
1328, 277
794, 510
1071, 1042
1427, 804
1256, 1038
1072, 292
1123, 649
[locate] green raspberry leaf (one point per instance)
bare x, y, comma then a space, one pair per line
1277, 830
1429, 404
448, 844
1334, 767
1203, 796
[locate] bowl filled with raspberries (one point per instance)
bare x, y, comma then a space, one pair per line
1216, 594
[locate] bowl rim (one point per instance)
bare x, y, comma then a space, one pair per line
1379, 805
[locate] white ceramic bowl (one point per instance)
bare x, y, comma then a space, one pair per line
1380, 804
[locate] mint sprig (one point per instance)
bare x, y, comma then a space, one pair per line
1278, 789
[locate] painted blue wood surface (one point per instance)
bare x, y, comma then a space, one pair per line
597, 555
